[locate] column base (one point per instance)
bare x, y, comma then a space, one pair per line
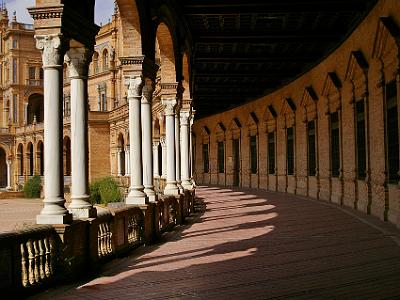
180, 187
151, 195
53, 219
171, 189
136, 196
83, 213
187, 185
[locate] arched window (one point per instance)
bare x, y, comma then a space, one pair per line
20, 157
95, 63
35, 108
105, 60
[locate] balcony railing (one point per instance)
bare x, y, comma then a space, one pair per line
34, 82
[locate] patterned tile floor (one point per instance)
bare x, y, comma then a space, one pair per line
252, 244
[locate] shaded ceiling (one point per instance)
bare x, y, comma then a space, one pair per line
244, 49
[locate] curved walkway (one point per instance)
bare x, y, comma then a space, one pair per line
253, 244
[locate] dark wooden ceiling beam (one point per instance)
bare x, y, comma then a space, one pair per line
272, 7
265, 74
315, 37
257, 58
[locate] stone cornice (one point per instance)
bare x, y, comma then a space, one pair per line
46, 12
139, 65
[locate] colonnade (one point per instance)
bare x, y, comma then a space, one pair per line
139, 156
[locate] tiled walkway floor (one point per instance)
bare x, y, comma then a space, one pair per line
256, 245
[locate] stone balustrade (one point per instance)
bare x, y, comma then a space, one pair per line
35, 257
28, 258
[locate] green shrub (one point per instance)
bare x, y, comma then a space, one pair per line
105, 191
33, 187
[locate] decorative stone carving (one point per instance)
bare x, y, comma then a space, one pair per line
134, 85
53, 49
78, 60
169, 106
184, 115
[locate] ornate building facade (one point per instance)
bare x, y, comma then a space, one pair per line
22, 130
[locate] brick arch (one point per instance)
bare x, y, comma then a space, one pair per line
134, 29
166, 53
185, 76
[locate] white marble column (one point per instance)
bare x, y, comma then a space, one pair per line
171, 187
191, 162
156, 166
164, 157
127, 161
119, 161
78, 62
178, 150
54, 211
147, 139
136, 194
8, 174
185, 163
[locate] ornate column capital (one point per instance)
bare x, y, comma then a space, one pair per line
78, 60
185, 115
53, 47
147, 91
169, 106
155, 144
134, 85
162, 141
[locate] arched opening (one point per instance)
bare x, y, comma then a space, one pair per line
121, 155
95, 62
35, 108
3, 168
67, 156
29, 153
105, 60
40, 158
164, 52
20, 158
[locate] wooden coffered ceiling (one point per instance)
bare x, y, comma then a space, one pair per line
244, 49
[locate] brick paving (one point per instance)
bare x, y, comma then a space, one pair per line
18, 213
256, 245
